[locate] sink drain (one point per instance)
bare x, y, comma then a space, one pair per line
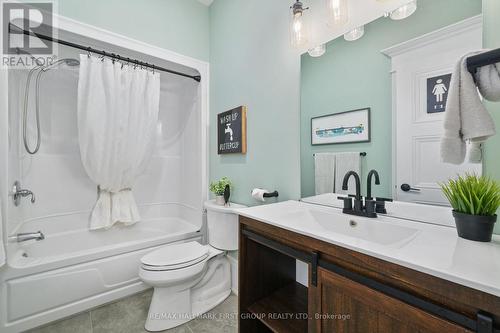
353, 223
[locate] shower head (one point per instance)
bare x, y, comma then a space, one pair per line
71, 62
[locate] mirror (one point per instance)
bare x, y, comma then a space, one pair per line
385, 94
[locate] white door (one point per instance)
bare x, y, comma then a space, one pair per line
420, 74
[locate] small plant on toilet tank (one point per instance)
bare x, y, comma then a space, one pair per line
217, 188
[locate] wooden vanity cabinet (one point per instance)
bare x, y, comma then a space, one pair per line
347, 291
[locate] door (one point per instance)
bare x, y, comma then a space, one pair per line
421, 72
349, 307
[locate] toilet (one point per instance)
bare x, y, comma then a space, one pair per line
190, 279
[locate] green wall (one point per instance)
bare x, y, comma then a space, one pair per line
491, 39
252, 64
177, 25
353, 75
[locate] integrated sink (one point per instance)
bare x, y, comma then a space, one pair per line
370, 230
332, 224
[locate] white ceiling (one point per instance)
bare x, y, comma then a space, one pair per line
206, 2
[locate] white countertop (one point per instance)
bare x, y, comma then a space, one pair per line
428, 248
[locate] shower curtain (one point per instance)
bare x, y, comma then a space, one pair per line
117, 116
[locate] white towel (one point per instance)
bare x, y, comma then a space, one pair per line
345, 162
466, 118
324, 173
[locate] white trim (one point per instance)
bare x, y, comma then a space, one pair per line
431, 37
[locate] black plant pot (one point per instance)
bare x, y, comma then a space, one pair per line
474, 227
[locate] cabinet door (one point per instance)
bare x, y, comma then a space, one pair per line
345, 306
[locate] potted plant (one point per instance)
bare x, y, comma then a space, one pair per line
218, 187
475, 201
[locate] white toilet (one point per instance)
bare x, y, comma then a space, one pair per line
189, 279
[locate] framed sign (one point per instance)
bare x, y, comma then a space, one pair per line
343, 127
437, 93
232, 131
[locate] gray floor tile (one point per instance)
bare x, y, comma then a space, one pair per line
222, 318
125, 316
76, 324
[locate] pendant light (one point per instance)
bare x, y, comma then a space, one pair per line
317, 51
355, 33
404, 11
299, 30
337, 12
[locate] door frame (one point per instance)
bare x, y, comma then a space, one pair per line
471, 23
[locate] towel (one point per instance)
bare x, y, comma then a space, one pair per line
466, 118
345, 162
324, 173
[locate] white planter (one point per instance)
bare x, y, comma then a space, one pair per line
219, 199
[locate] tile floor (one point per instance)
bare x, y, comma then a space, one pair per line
129, 315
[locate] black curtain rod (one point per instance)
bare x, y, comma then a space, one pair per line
482, 59
15, 29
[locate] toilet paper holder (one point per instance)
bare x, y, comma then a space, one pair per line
271, 194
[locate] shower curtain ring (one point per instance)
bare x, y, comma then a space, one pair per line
88, 51
103, 55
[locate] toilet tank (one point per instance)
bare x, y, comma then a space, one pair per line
222, 225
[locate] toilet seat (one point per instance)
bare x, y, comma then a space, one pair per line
173, 267
175, 256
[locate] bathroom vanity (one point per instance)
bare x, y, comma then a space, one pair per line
365, 275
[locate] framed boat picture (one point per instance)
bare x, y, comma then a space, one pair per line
343, 127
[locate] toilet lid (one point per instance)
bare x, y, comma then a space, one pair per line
175, 254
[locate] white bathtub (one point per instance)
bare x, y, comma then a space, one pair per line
74, 270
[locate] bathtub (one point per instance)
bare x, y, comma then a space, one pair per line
74, 270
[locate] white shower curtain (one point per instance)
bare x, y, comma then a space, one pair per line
117, 116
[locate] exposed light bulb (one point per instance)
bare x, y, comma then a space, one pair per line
317, 51
404, 11
337, 12
299, 32
355, 34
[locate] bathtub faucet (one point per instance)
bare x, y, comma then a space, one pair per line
19, 193
26, 236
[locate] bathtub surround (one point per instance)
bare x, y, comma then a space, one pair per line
117, 119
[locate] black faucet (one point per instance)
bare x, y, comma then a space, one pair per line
372, 173
377, 204
358, 208
358, 183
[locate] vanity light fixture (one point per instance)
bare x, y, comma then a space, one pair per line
404, 11
299, 32
355, 33
337, 12
317, 51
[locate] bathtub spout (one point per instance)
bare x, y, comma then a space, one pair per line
26, 236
